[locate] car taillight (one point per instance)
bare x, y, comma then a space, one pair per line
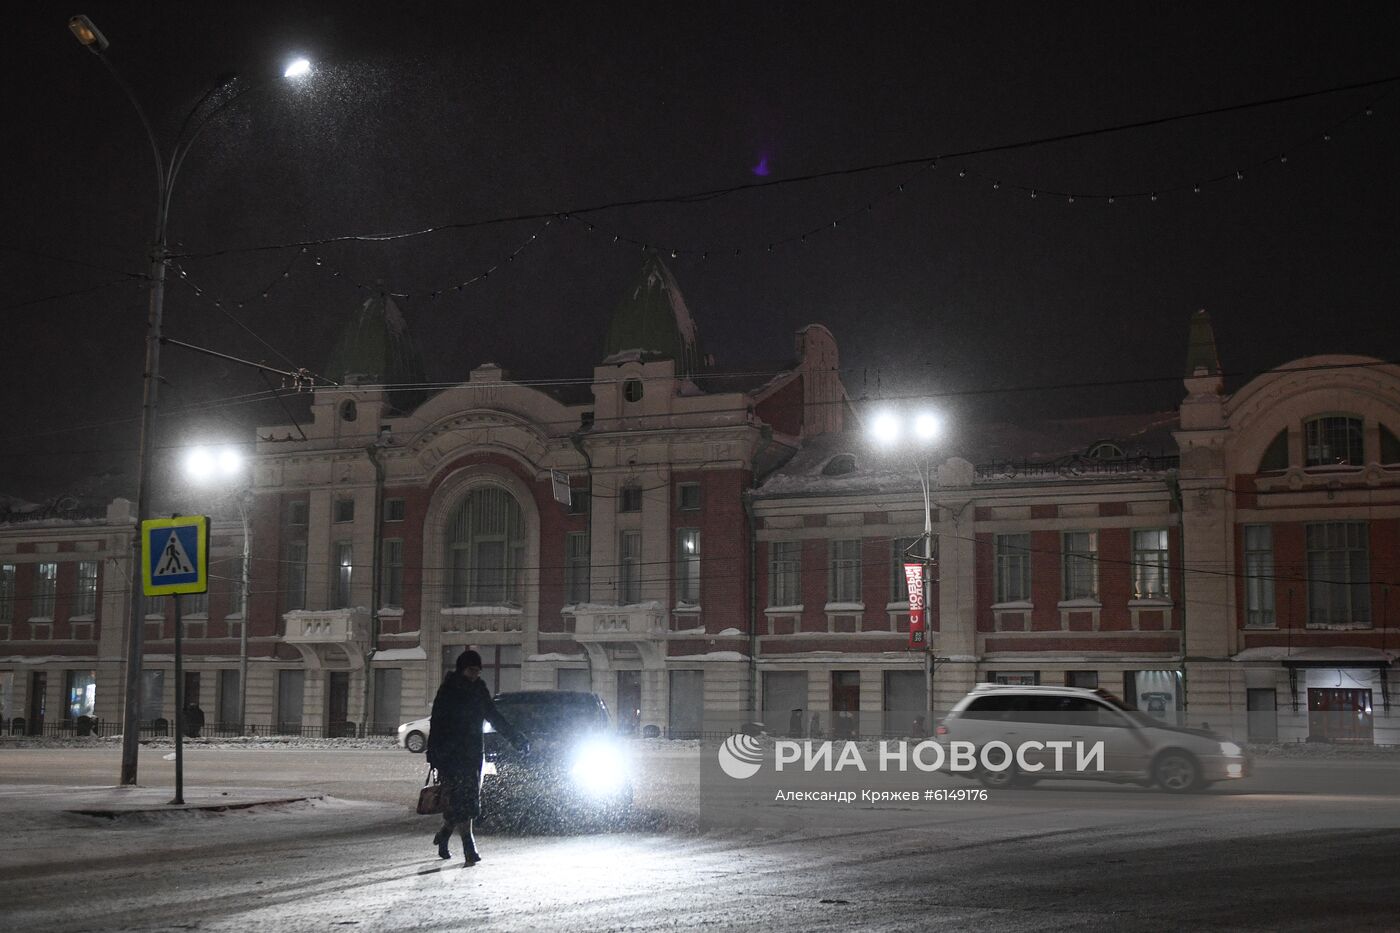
941, 730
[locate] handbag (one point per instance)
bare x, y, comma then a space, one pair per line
432, 797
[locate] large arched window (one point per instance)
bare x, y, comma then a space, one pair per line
486, 550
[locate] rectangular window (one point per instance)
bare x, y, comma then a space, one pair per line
85, 598
1081, 566
1150, 564
629, 499
1333, 441
576, 567
1259, 576
1339, 571
785, 573
296, 512
45, 588
343, 569
7, 593
393, 510
1016, 678
578, 501
1013, 568
296, 575
629, 578
688, 566
391, 586
901, 550
843, 584
344, 510
194, 604
1087, 679
688, 497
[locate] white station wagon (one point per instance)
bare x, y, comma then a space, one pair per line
1136, 747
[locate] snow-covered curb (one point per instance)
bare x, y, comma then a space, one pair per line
1323, 750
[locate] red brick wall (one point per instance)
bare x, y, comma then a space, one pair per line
783, 409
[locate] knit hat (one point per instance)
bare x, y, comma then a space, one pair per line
466, 659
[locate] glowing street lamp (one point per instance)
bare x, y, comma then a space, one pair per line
921, 431
167, 167
226, 465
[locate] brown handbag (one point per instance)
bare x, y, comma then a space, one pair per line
432, 797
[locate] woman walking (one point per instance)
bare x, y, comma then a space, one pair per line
455, 748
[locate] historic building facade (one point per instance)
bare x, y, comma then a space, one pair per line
680, 541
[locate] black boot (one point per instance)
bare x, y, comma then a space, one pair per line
469, 848
440, 839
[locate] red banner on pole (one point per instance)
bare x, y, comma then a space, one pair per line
914, 577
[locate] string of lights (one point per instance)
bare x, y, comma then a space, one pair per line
919, 164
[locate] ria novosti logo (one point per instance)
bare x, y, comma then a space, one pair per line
741, 756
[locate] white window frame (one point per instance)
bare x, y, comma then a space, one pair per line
1079, 565
1259, 576
1151, 563
1013, 567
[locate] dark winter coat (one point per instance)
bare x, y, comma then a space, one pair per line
455, 741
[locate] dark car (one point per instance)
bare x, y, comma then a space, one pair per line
577, 762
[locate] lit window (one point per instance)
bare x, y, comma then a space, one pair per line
688, 566
1150, 564
344, 569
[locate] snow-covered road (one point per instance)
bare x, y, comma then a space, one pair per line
1303, 845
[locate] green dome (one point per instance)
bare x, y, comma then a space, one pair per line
653, 321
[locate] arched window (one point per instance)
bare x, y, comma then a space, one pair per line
1333, 440
486, 550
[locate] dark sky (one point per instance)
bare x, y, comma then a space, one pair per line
425, 115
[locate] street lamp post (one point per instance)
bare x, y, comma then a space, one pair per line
167, 169
204, 465
889, 430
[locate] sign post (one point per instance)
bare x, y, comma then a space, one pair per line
175, 560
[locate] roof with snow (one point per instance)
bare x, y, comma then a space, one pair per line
850, 463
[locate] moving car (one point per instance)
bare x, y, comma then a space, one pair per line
1138, 748
413, 735
576, 763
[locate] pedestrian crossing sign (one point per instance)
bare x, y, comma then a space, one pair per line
175, 555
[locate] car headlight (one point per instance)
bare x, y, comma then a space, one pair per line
487, 727
1230, 750
599, 768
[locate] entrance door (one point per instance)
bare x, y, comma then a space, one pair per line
687, 696
291, 686
1260, 703
629, 701
38, 686
1339, 715
337, 704
845, 704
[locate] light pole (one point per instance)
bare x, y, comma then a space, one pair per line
204, 465
167, 168
919, 431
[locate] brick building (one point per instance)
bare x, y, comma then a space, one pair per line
734, 542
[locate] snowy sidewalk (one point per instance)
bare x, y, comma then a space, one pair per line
114, 801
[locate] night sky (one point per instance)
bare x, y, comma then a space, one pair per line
430, 115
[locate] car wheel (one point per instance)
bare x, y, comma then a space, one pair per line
415, 742
1177, 772
1004, 778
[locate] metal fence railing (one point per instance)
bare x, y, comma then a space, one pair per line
165, 728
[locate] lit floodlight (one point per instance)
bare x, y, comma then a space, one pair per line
298, 69
927, 427
885, 428
201, 464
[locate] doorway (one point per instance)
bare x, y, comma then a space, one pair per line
1260, 705
38, 687
845, 704
338, 704
1340, 715
629, 701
